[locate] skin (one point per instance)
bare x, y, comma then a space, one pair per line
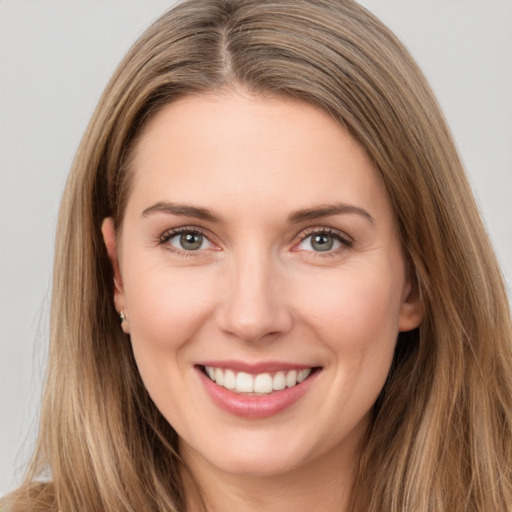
258, 290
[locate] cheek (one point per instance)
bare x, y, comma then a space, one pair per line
356, 310
166, 309
355, 317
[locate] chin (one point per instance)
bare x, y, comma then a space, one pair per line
257, 465
258, 455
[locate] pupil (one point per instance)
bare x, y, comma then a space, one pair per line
322, 242
191, 241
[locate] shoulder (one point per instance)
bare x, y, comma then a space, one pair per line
32, 497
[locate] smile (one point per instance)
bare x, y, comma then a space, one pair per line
256, 391
258, 384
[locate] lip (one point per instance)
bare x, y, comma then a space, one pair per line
253, 406
254, 368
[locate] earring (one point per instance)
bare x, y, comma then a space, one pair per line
125, 326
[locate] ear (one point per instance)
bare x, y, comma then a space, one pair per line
109, 237
411, 310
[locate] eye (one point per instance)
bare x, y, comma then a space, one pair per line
186, 240
324, 241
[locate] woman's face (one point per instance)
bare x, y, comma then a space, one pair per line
259, 251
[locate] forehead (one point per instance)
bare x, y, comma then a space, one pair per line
238, 151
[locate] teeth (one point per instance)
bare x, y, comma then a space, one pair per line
263, 383
291, 379
244, 382
219, 376
229, 379
279, 381
303, 375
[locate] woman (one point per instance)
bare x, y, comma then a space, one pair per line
272, 287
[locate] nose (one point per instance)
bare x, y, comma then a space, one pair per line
254, 305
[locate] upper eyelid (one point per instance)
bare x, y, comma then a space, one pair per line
324, 229
169, 233
301, 236
164, 241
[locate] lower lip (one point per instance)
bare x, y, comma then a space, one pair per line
252, 406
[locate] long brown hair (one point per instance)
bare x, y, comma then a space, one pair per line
441, 432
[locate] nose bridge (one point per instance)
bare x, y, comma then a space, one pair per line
254, 306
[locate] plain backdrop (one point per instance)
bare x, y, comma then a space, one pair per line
55, 58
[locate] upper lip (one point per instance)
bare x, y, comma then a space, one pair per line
255, 368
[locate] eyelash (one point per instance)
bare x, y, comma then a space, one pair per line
168, 235
344, 240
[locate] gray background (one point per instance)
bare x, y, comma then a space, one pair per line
55, 58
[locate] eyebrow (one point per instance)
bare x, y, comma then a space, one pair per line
327, 210
297, 217
181, 209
